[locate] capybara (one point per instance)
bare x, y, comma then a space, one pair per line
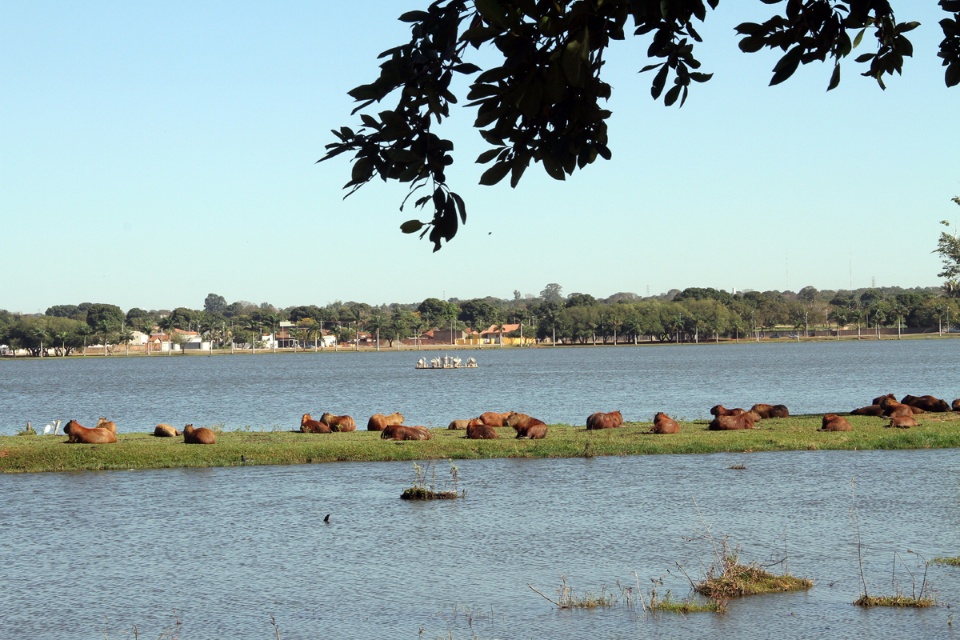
165, 431
903, 422
870, 410
527, 426
601, 420
309, 425
956, 405
103, 423
202, 435
720, 410
400, 432
494, 419
379, 421
897, 409
766, 411
662, 423
478, 430
883, 400
833, 422
927, 403
338, 423
82, 435
458, 425
729, 423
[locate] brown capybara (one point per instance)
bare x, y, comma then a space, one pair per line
527, 426
401, 432
309, 425
720, 410
897, 409
202, 435
601, 420
884, 400
494, 419
662, 423
927, 403
458, 425
956, 405
379, 421
103, 423
729, 423
82, 435
338, 423
833, 422
870, 410
767, 411
903, 422
478, 430
166, 431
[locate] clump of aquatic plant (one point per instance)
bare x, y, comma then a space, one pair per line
425, 484
728, 578
667, 603
738, 467
917, 599
953, 561
567, 598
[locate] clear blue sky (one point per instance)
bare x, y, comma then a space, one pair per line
154, 153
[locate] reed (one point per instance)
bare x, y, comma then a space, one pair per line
253, 445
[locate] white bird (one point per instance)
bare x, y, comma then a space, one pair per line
47, 429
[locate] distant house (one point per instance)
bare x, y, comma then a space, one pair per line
497, 334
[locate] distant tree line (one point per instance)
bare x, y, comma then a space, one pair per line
691, 315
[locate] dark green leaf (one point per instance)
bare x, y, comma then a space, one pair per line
834, 78
411, 226
495, 174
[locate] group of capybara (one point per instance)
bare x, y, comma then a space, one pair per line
106, 432
902, 415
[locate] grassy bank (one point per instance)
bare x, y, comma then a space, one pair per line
238, 448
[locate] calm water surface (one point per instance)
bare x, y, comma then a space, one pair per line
90, 555
272, 391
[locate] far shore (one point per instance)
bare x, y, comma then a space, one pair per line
121, 352
249, 446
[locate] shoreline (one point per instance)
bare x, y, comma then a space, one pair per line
248, 447
136, 353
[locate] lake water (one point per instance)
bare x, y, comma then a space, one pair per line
91, 555
562, 385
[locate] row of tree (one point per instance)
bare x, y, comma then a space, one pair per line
693, 314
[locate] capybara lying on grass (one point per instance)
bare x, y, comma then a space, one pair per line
527, 426
662, 423
198, 436
720, 410
379, 421
766, 411
903, 422
833, 422
166, 431
477, 430
601, 420
80, 434
494, 419
927, 403
730, 423
458, 425
309, 425
401, 432
338, 423
109, 425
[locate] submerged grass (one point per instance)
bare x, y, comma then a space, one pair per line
250, 446
953, 561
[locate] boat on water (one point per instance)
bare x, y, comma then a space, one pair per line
446, 362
